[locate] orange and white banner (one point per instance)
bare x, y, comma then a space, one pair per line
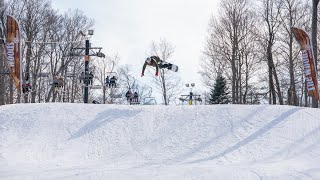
13, 51
309, 63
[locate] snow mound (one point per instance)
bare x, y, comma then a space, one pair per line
177, 141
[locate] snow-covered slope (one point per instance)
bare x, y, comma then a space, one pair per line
86, 141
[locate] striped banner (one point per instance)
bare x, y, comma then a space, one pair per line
309, 63
13, 51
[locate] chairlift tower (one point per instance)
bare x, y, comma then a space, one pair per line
89, 51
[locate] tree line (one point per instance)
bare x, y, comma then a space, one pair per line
48, 37
251, 45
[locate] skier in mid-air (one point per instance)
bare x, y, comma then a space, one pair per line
156, 62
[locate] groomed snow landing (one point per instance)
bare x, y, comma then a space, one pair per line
96, 141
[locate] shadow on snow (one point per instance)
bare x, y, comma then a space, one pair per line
103, 118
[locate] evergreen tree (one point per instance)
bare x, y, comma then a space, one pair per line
219, 93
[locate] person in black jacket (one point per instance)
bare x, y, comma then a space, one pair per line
151, 61
156, 62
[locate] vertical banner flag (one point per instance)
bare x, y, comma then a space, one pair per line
309, 64
13, 51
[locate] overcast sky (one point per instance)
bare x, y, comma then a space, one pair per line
128, 27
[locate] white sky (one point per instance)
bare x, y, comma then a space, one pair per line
128, 27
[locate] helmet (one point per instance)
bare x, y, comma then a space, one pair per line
148, 60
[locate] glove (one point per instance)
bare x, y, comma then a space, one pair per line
156, 73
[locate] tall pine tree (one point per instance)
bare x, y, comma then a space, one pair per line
219, 93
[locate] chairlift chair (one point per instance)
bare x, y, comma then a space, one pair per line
70, 75
58, 82
6, 72
111, 80
43, 74
184, 98
132, 98
81, 76
129, 95
135, 99
115, 95
26, 87
88, 77
95, 102
95, 87
149, 100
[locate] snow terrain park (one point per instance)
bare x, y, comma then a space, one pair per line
216, 142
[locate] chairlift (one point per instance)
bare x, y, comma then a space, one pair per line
135, 99
129, 95
46, 63
70, 75
111, 80
89, 77
58, 82
132, 98
26, 86
150, 101
184, 98
95, 87
5, 72
43, 74
81, 76
70, 70
95, 102
115, 95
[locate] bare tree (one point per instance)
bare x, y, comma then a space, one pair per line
15, 8
314, 40
231, 49
106, 68
271, 17
47, 40
2, 56
128, 82
168, 81
32, 22
57, 53
294, 13
216, 50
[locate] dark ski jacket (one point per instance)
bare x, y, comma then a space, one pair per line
155, 61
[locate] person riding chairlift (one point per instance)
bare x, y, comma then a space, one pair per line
135, 97
129, 95
26, 86
113, 81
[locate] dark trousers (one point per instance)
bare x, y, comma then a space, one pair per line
165, 65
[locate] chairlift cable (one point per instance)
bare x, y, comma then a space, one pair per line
53, 42
145, 84
159, 91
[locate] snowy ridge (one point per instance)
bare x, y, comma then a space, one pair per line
86, 141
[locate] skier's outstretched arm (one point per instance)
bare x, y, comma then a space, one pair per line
157, 69
143, 69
